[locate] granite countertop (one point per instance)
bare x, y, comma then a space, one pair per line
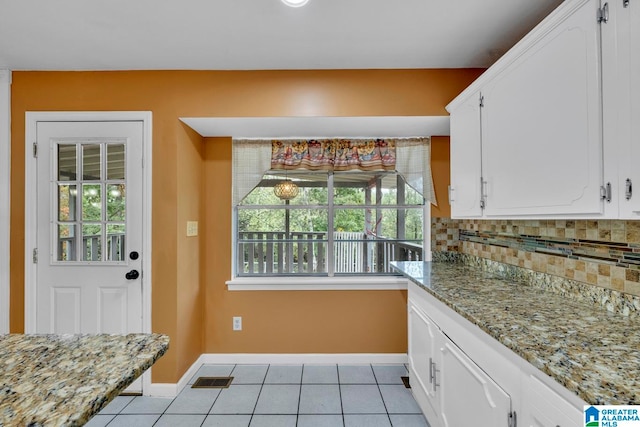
588, 349
63, 380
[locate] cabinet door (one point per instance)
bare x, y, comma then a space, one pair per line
543, 407
469, 396
466, 163
423, 338
541, 125
627, 106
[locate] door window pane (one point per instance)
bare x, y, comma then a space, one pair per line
116, 242
66, 242
115, 161
116, 202
91, 162
91, 202
67, 162
92, 242
67, 202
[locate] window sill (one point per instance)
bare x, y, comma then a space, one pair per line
358, 283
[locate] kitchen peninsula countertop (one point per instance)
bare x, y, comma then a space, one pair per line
63, 380
591, 351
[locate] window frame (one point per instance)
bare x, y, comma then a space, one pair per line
328, 281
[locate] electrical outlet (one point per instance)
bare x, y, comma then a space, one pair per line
192, 228
237, 323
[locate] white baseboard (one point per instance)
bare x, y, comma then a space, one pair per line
319, 358
172, 389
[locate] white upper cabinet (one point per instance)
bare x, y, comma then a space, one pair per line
545, 149
541, 124
465, 190
621, 87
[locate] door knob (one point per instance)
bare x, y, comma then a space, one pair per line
132, 275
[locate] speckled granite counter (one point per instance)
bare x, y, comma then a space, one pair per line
588, 349
63, 380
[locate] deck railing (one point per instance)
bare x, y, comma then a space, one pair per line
271, 253
92, 248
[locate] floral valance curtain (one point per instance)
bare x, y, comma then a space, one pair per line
410, 157
334, 154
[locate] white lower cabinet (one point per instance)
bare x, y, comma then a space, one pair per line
460, 376
449, 387
544, 407
424, 338
469, 395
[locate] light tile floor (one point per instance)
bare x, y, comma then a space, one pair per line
278, 396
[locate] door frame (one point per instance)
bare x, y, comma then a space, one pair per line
5, 198
30, 268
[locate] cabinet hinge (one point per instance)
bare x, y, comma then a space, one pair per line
625, 3
483, 193
603, 14
35, 150
513, 419
481, 100
628, 189
35, 255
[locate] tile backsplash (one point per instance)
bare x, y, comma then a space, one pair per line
603, 253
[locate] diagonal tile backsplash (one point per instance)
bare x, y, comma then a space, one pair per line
603, 253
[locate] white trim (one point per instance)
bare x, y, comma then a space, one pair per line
317, 358
172, 389
31, 120
5, 197
360, 283
308, 127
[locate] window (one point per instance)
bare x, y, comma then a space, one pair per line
340, 224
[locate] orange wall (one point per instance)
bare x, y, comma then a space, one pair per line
440, 169
189, 273
286, 321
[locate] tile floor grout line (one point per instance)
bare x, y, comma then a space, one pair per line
340, 394
379, 382
381, 396
299, 396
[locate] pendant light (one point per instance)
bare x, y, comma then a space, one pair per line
286, 189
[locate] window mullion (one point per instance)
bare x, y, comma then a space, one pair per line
330, 214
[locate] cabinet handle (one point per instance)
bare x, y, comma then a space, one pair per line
483, 193
625, 3
430, 370
628, 191
603, 13
432, 374
605, 192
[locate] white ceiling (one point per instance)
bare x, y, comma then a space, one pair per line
261, 34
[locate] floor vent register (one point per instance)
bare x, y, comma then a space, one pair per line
212, 382
405, 381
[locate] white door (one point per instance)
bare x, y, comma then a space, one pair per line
424, 337
89, 227
469, 396
627, 105
541, 125
466, 160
